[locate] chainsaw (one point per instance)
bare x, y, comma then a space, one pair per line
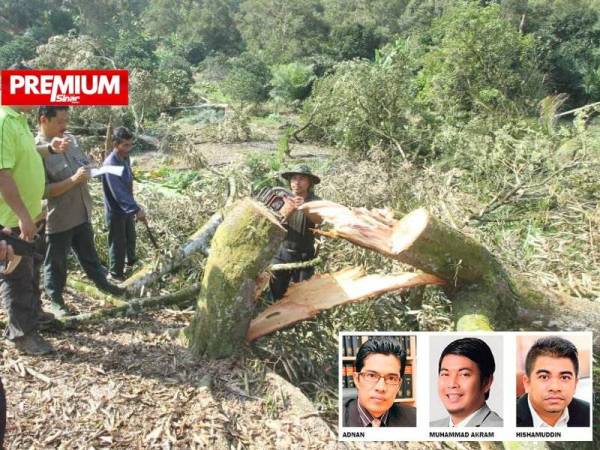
273, 198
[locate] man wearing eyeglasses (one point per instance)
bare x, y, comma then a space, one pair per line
379, 367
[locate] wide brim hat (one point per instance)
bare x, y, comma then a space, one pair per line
302, 169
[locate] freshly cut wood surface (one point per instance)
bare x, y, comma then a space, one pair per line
307, 299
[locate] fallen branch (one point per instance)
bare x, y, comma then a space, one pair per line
95, 293
502, 199
572, 111
203, 106
307, 299
186, 295
199, 242
182, 297
295, 265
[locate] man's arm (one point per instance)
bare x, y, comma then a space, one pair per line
11, 196
57, 189
59, 145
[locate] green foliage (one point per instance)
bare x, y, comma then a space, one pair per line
477, 63
202, 28
354, 41
264, 169
247, 80
384, 17
568, 35
135, 51
291, 82
365, 105
21, 48
281, 31
17, 18
70, 52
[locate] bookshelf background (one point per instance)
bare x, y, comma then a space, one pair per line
350, 346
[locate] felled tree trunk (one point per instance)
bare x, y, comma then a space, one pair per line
307, 299
479, 286
483, 294
241, 250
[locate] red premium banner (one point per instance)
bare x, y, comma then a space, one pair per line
64, 87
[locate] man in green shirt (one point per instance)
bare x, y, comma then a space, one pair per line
22, 184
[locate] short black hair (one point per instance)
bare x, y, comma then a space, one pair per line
555, 347
477, 351
386, 345
121, 134
50, 111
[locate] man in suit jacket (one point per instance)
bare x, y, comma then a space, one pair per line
465, 376
550, 380
483, 417
379, 367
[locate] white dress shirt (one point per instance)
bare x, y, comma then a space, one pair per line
538, 422
464, 422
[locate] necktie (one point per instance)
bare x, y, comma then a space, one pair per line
376, 423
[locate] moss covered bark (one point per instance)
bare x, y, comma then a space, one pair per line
241, 249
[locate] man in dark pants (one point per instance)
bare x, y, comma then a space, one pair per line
69, 210
299, 244
21, 191
550, 380
120, 207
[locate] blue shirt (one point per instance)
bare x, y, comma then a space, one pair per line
118, 190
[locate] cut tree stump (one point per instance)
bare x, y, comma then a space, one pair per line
307, 299
241, 249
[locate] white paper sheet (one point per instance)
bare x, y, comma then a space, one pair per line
113, 170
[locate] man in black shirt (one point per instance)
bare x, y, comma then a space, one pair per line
299, 244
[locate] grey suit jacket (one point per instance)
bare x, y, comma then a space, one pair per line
484, 418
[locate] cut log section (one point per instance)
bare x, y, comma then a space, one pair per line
484, 295
307, 299
418, 239
478, 285
241, 249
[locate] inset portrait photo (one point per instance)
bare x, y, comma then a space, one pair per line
554, 383
466, 381
378, 381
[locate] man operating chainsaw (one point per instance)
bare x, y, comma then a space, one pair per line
299, 244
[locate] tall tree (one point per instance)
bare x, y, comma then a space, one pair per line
282, 31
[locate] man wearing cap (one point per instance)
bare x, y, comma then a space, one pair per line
299, 244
